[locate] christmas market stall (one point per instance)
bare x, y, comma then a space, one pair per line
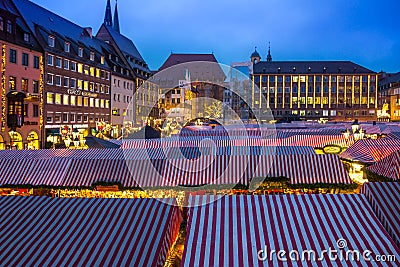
45, 231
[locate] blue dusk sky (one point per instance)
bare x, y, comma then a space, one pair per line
366, 32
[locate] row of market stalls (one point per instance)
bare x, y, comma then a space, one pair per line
292, 230
160, 172
41, 231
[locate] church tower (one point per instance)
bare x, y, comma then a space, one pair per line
255, 57
116, 19
107, 17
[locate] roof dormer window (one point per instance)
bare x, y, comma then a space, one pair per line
91, 55
26, 37
9, 26
67, 46
102, 60
51, 41
80, 51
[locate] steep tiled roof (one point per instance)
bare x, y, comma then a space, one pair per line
305, 67
175, 59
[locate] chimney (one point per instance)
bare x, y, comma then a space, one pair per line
89, 31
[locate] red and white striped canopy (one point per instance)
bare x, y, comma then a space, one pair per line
385, 201
388, 167
232, 230
161, 172
371, 151
40, 231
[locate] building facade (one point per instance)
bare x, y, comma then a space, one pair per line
315, 90
389, 97
21, 82
146, 93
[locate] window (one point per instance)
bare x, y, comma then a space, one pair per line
91, 71
107, 103
86, 85
50, 60
80, 68
65, 81
50, 98
65, 117
13, 56
79, 84
26, 110
85, 118
50, 78
66, 64
58, 62
26, 37
80, 51
333, 112
35, 111
86, 101
86, 70
1, 24
36, 62
79, 118
91, 102
79, 101
12, 83
9, 27
102, 60
72, 100
25, 59
97, 73
49, 118
58, 80
24, 85
51, 41
72, 83
58, 99
35, 85
66, 47
73, 66
57, 118
92, 56
72, 117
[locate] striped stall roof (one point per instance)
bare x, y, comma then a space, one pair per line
371, 151
385, 201
388, 167
41, 231
232, 230
155, 172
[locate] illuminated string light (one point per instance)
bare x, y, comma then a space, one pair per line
3, 87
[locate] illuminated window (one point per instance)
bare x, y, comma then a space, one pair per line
91, 102
107, 103
86, 70
302, 100
295, 79
79, 101
80, 68
58, 99
92, 56
24, 85
72, 100
317, 100
310, 100
102, 103
102, 60
50, 98
80, 84
91, 71
12, 82
66, 99
98, 73
294, 100
302, 113
86, 101
51, 41
86, 85
325, 100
